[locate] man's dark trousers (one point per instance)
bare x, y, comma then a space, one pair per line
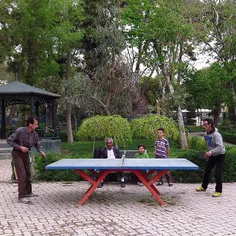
213, 161
22, 164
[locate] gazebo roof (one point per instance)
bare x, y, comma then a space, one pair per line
19, 93
18, 88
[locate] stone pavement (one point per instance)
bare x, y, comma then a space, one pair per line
113, 210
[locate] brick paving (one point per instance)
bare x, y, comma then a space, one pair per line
113, 210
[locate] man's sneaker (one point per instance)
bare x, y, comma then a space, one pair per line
159, 183
122, 184
199, 189
216, 194
23, 200
140, 184
31, 195
100, 185
170, 184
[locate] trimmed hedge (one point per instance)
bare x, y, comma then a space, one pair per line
197, 143
229, 137
53, 175
146, 127
101, 127
229, 169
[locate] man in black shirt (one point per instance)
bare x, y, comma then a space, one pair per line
22, 140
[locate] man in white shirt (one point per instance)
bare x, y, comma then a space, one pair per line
111, 152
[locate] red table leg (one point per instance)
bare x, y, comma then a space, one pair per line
144, 178
94, 183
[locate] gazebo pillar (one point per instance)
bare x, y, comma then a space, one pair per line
37, 111
32, 107
3, 123
54, 115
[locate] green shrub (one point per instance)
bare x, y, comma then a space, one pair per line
229, 169
146, 127
194, 128
63, 136
189, 176
229, 137
101, 127
53, 175
197, 143
84, 150
226, 125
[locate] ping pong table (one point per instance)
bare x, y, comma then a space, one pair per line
156, 168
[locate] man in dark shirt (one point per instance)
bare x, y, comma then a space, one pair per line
22, 140
111, 152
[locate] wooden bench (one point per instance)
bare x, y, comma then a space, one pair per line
128, 154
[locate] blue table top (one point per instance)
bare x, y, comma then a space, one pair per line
126, 164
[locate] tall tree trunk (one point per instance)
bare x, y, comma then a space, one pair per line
19, 72
68, 107
108, 103
74, 121
183, 138
184, 143
234, 99
217, 113
31, 62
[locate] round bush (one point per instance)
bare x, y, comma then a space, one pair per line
147, 126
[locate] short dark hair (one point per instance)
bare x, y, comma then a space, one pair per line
209, 121
141, 145
30, 120
161, 129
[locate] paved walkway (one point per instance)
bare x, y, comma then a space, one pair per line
115, 211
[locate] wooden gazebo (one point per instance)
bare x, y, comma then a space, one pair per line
20, 93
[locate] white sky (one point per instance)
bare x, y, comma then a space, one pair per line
204, 59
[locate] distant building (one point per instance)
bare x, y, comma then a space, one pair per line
196, 117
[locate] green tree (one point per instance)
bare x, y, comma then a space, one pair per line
26, 32
69, 35
43, 40
209, 88
215, 26
98, 127
111, 82
163, 36
146, 127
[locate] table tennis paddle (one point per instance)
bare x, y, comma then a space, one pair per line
201, 155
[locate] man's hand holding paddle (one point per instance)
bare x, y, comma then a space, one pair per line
203, 155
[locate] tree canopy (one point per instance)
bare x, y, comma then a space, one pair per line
126, 58
146, 127
101, 127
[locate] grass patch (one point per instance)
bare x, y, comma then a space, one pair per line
149, 201
169, 200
